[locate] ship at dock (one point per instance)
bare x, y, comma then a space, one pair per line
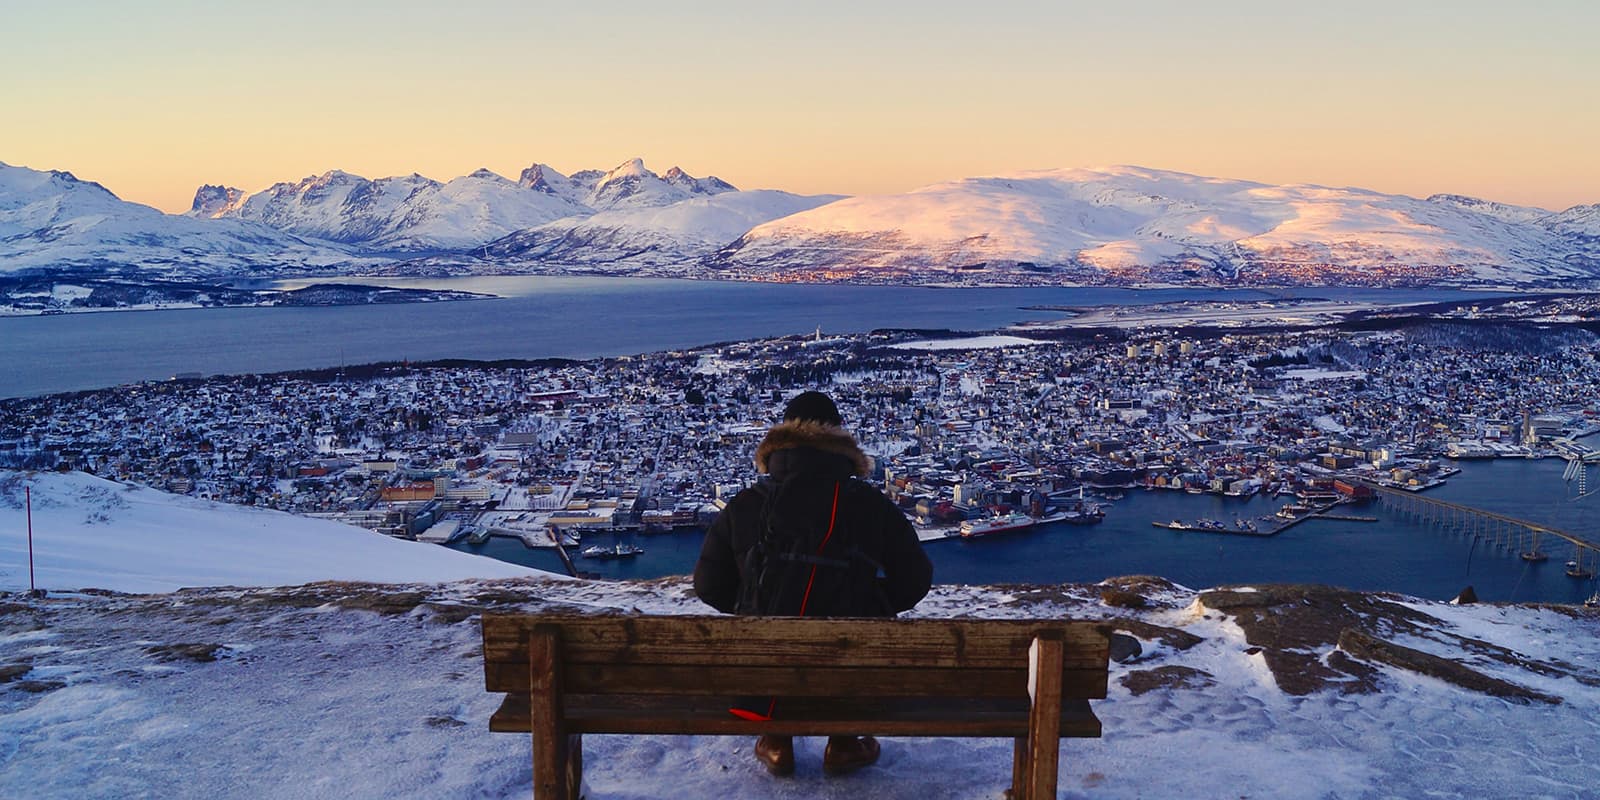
997, 524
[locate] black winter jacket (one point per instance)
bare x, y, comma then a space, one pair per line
808, 460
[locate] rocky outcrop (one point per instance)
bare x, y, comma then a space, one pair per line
1367, 646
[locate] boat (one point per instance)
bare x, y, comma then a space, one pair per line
1535, 556
1175, 525
1593, 601
998, 524
1576, 570
615, 551
1294, 511
1087, 515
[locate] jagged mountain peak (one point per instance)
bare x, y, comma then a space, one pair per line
707, 185
633, 167
484, 173
211, 200
539, 175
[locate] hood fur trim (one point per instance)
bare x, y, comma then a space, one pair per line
816, 435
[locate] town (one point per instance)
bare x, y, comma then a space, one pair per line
970, 436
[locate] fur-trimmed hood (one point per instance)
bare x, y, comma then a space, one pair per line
815, 435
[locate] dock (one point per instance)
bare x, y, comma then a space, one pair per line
1318, 512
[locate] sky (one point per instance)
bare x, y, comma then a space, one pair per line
1497, 100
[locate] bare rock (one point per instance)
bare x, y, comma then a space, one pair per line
1171, 676
1467, 597
1294, 624
1175, 638
1363, 645
1119, 598
1124, 648
198, 653
39, 687
11, 672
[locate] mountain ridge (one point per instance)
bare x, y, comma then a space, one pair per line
1115, 225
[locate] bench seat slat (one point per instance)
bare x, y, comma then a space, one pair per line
798, 681
789, 641
953, 717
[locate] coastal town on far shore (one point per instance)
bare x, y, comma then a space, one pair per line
969, 435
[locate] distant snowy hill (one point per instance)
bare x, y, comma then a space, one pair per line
680, 232
95, 533
1580, 223
1137, 225
54, 220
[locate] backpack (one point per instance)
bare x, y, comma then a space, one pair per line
801, 567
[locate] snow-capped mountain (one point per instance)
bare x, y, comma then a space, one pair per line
544, 178
1138, 225
411, 213
51, 219
1107, 226
632, 185
398, 214
215, 201
681, 232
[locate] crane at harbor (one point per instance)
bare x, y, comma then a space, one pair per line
1578, 459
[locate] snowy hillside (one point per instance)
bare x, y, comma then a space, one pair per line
684, 231
1135, 225
53, 220
94, 533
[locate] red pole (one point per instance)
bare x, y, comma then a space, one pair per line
27, 493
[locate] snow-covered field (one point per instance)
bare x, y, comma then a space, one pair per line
356, 690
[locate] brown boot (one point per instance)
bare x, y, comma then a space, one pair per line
777, 752
849, 753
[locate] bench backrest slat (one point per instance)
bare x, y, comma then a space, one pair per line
793, 656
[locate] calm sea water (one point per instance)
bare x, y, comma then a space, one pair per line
1393, 554
536, 317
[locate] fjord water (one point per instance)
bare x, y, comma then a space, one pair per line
1393, 554
533, 317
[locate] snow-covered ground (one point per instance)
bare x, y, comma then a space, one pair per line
93, 533
353, 690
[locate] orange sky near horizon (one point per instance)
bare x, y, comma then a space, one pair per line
854, 98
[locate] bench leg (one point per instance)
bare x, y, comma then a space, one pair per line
1044, 720
575, 766
1019, 770
553, 761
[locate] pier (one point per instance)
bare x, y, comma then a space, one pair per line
1318, 512
1509, 534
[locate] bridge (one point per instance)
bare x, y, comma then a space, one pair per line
1510, 534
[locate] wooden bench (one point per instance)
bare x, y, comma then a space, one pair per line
1029, 680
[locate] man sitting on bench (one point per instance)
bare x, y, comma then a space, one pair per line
811, 541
